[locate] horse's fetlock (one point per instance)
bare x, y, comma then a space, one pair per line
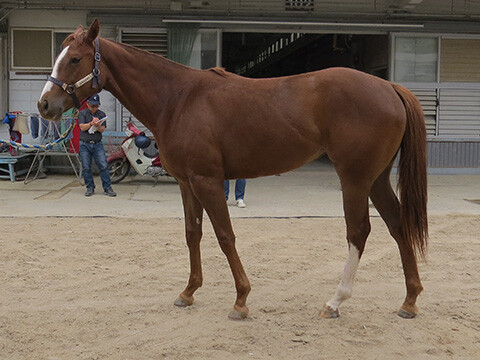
244, 289
344, 292
196, 281
414, 287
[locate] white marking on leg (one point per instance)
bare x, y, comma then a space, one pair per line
344, 289
49, 85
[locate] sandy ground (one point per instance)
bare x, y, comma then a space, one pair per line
96, 278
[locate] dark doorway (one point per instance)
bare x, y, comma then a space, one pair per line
271, 55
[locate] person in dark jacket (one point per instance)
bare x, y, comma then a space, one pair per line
92, 123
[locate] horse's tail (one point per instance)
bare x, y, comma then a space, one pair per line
412, 171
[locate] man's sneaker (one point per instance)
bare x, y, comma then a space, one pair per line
241, 203
89, 192
110, 192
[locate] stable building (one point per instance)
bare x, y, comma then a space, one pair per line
430, 46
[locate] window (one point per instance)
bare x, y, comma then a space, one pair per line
460, 60
32, 49
416, 59
205, 50
35, 49
59, 37
146, 39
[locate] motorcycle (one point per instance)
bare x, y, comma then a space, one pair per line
137, 151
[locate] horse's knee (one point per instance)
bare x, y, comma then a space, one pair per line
226, 241
193, 237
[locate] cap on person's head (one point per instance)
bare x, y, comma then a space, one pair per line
94, 100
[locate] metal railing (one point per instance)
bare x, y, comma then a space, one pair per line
275, 48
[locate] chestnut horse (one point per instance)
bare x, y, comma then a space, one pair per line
213, 125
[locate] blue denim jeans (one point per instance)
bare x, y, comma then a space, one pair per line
239, 188
97, 152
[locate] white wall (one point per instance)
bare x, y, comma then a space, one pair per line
4, 133
3, 75
51, 19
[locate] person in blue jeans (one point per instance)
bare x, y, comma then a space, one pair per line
91, 128
240, 185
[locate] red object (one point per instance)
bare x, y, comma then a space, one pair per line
75, 140
119, 154
15, 136
133, 129
157, 162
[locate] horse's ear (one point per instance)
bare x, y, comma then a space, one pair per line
92, 31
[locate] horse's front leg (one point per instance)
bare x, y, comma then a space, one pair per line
209, 192
193, 232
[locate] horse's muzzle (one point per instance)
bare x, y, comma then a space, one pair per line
48, 110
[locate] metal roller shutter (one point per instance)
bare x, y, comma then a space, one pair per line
428, 100
459, 113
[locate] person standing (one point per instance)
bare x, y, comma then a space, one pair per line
92, 124
240, 185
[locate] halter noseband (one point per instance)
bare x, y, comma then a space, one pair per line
94, 76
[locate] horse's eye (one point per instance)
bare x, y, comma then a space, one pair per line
75, 61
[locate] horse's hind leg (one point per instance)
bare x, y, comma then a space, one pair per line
193, 233
355, 203
386, 202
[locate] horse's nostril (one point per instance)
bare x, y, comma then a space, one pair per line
45, 104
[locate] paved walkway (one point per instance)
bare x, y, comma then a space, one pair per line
310, 191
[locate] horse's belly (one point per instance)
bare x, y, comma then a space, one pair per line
271, 160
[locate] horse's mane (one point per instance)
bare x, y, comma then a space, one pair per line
145, 53
221, 71
67, 40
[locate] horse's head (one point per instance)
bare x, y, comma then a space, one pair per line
73, 73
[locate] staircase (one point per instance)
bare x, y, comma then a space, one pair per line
276, 51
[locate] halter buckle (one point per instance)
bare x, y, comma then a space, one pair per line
70, 89
98, 57
96, 72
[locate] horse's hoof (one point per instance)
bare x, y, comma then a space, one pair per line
238, 313
328, 312
406, 314
182, 302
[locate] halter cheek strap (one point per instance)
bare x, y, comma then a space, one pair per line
94, 76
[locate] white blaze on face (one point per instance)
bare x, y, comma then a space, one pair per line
48, 86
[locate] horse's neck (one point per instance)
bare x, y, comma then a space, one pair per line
144, 84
